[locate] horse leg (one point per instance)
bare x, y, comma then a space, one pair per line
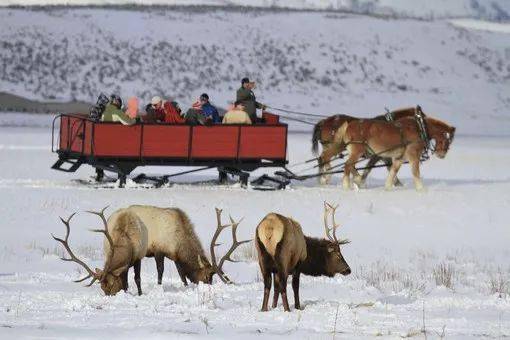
390, 180
355, 152
371, 162
388, 163
325, 163
414, 159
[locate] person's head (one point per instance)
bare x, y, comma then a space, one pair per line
116, 101
245, 82
156, 102
204, 98
239, 105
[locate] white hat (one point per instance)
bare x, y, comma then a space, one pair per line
155, 100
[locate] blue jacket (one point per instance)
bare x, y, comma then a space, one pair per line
210, 111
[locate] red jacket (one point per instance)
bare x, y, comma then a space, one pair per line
171, 114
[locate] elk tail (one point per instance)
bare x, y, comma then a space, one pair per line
270, 233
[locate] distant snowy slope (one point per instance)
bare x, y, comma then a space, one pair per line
311, 61
482, 9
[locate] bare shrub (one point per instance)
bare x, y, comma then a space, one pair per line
390, 279
246, 252
499, 283
444, 274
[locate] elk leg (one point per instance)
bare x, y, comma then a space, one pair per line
390, 180
181, 272
125, 284
267, 289
160, 266
282, 278
276, 290
295, 288
138, 265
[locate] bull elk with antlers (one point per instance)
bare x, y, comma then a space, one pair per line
172, 235
283, 250
124, 246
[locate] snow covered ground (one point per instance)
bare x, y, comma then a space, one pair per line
401, 243
434, 261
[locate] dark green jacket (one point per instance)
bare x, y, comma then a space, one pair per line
114, 114
247, 98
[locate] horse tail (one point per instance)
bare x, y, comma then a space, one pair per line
316, 136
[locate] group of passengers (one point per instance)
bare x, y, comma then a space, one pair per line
202, 112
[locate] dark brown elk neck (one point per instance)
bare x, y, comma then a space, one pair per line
316, 259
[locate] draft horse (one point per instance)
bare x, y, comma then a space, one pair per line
399, 141
324, 132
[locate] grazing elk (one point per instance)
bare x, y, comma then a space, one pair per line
172, 235
283, 250
125, 245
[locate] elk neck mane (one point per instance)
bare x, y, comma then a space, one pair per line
317, 253
190, 241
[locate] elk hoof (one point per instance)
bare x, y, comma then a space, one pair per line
264, 309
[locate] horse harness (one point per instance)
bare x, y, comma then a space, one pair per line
422, 130
370, 152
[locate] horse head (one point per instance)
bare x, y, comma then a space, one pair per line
442, 134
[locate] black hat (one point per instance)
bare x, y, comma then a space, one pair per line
245, 80
204, 96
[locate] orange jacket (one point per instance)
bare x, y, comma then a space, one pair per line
171, 114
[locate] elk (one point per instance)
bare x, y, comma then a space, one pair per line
172, 235
283, 250
124, 246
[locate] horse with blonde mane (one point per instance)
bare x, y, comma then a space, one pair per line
324, 132
400, 141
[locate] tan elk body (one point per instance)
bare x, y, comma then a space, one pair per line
283, 250
172, 235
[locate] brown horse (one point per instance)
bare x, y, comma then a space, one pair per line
324, 132
400, 141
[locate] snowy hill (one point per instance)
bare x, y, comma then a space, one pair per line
481, 9
312, 61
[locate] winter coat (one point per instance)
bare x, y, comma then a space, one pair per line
172, 116
247, 98
194, 117
210, 112
132, 107
153, 115
236, 116
113, 114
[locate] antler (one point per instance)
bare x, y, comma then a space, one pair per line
107, 235
235, 243
73, 258
331, 232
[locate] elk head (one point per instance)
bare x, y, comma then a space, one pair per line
110, 278
217, 267
335, 262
